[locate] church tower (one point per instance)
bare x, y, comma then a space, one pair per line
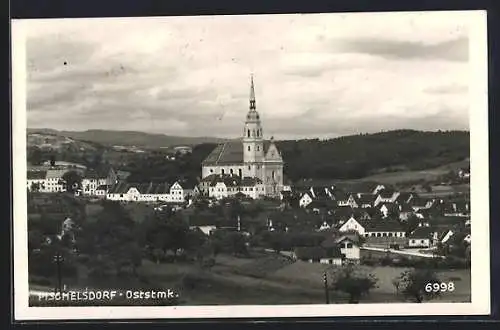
253, 142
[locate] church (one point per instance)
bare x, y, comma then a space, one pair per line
250, 157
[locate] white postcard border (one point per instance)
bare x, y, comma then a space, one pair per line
480, 269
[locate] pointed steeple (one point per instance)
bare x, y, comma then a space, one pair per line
252, 94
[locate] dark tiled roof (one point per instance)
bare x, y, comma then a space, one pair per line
317, 252
229, 153
386, 193
367, 198
250, 182
404, 197
143, 188
36, 175
421, 232
387, 225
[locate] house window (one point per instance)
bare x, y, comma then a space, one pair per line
222, 171
390, 234
422, 241
413, 241
258, 148
248, 148
121, 195
231, 171
378, 234
367, 235
211, 171
384, 235
349, 245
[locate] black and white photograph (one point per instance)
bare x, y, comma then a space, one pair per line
280, 165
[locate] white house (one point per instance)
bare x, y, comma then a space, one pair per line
305, 200
349, 247
422, 237
144, 192
36, 180
352, 225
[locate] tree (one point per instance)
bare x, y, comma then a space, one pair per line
72, 180
414, 283
111, 242
355, 283
35, 156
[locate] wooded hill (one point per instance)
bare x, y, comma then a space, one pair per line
357, 156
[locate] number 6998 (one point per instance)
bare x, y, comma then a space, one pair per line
440, 287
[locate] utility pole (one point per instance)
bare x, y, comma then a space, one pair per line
58, 259
325, 282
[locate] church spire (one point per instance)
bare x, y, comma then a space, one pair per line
252, 94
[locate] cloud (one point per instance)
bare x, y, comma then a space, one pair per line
314, 74
450, 50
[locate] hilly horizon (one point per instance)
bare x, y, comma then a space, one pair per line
158, 140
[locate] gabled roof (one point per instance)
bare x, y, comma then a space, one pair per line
229, 153
404, 197
36, 175
386, 193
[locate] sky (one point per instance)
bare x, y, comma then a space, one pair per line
316, 75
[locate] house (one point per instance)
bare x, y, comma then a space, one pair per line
94, 178
36, 180
331, 256
366, 200
405, 197
349, 245
204, 185
305, 199
405, 211
352, 225
386, 196
324, 226
388, 208
456, 209
54, 180
422, 237
252, 187
443, 236
144, 192
421, 203
102, 191
385, 232
378, 189
341, 197
205, 229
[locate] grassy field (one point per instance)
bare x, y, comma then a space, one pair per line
265, 280
404, 176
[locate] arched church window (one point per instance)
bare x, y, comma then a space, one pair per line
231, 171
258, 132
222, 171
239, 172
273, 174
258, 148
248, 133
249, 168
248, 148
